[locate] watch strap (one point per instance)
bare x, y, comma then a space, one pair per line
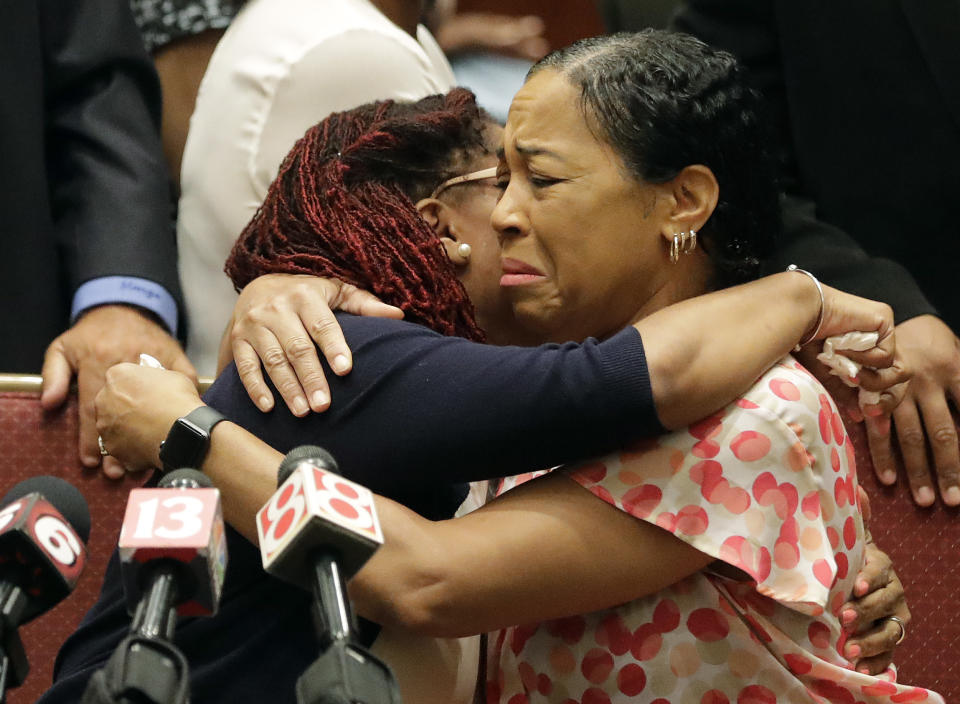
205, 417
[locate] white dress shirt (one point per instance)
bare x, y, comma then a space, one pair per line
281, 67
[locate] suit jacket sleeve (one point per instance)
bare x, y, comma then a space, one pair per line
748, 29
109, 190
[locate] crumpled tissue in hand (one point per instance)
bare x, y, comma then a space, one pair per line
846, 368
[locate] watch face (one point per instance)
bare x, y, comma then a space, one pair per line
184, 446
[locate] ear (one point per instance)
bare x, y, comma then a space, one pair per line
439, 216
694, 194
434, 214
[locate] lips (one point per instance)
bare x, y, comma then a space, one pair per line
518, 273
515, 266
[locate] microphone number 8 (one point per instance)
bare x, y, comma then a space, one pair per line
284, 511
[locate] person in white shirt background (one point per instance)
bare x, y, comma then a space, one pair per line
281, 66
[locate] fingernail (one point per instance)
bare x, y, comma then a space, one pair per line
924, 496
863, 670
853, 651
300, 406
319, 399
952, 496
848, 616
856, 415
862, 586
854, 380
265, 403
873, 411
90, 460
341, 363
888, 477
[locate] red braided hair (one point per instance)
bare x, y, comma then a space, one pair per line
342, 206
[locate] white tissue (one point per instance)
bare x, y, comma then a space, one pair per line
845, 368
147, 360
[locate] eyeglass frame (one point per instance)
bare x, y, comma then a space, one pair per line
465, 178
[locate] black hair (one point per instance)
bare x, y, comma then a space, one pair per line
665, 100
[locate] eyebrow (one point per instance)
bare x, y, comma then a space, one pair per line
530, 151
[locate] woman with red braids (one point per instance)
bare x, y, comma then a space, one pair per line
345, 204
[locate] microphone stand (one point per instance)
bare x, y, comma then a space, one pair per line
146, 668
13, 659
345, 672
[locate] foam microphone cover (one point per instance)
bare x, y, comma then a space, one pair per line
316, 509
44, 524
182, 525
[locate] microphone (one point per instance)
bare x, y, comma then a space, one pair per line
314, 506
173, 558
317, 531
175, 535
44, 526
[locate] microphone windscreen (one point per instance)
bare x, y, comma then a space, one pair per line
185, 478
316, 455
41, 550
64, 496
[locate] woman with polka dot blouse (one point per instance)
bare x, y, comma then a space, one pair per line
711, 565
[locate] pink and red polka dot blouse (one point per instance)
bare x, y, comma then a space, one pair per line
768, 486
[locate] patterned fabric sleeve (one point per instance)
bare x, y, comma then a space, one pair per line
767, 485
164, 21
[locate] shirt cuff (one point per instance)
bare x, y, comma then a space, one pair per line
628, 385
126, 290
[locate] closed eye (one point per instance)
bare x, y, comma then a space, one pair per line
540, 182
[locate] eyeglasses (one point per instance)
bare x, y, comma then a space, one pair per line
466, 178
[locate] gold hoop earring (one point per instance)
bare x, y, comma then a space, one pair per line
692, 242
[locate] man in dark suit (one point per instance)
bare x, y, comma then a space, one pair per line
85, 236
866, 99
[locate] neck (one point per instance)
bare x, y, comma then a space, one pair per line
690, 278
403, 13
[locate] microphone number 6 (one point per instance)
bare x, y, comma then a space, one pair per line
58, 539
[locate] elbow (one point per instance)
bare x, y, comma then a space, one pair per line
428, 609
424, 604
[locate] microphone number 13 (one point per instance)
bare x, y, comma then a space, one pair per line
187, 520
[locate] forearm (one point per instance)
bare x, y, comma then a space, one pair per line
703, 352
244, 469
548, 549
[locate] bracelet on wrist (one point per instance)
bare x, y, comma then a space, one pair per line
816, 328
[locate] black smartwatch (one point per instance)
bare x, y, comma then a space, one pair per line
188, 441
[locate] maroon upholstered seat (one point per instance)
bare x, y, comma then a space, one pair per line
34, 443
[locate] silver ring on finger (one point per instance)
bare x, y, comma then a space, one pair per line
903, 628
103, 448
